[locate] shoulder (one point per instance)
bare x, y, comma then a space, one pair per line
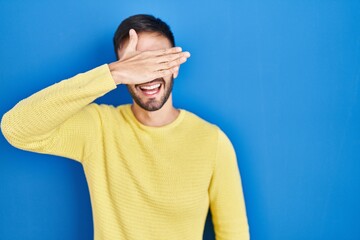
211, 135
197, 123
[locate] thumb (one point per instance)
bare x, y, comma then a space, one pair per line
133, 40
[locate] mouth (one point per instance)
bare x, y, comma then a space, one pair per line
152, 88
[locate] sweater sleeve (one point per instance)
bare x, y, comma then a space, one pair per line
226, 196
59, 119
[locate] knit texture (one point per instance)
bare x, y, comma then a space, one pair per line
145, 182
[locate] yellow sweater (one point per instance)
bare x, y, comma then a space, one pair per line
145, 182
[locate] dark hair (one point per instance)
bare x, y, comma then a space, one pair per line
141, 23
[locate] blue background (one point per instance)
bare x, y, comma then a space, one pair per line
281, 78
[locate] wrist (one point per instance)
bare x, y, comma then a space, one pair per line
115, 73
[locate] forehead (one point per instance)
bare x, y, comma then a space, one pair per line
152, 41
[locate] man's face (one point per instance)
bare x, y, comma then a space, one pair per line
151, 96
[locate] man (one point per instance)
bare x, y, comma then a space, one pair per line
153, 170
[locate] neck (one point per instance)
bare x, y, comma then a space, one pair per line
164, 116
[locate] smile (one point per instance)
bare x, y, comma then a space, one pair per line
150, 89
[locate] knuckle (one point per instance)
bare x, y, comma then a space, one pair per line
168, 64
169, 57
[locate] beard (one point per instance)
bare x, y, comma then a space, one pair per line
152, 104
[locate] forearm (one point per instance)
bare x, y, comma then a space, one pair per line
45, 110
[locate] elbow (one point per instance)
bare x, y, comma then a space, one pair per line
20, 136
5, 127
9, 131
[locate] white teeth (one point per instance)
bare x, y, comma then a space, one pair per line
152, 92
150, 87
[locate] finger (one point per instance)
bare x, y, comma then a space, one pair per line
171, 64
166, 51
176, 74
166, 72
172, 57
133, 40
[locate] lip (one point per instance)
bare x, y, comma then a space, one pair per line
158, 80
152, 88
